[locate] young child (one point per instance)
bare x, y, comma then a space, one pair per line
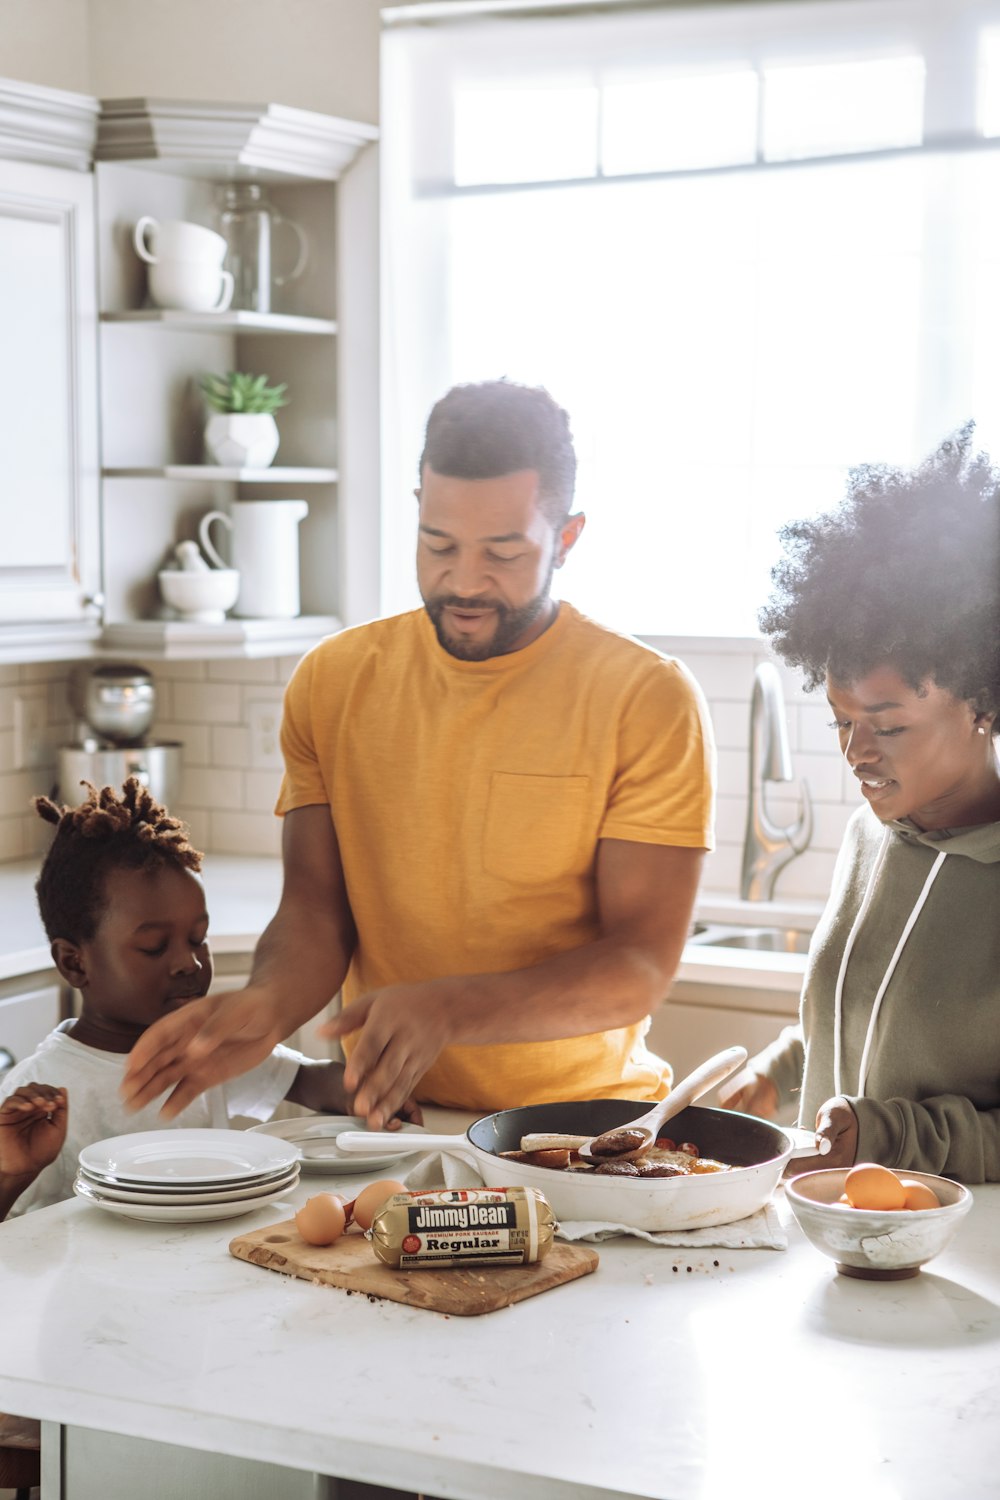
125, 914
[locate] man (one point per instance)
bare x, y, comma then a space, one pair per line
495, 813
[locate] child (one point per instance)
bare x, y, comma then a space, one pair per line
125, 914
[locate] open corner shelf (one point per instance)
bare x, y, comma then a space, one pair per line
183, 640
223, 322
215, 473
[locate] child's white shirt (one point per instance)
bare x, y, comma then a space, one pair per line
92, 1079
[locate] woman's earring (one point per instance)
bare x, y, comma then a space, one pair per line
980, 729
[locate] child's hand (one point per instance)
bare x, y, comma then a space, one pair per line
33, 1123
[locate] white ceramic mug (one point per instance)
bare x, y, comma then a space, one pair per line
176, 239
265, 548
190, 285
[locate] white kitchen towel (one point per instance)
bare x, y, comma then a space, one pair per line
759, 1231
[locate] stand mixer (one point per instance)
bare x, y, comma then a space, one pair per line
113, 705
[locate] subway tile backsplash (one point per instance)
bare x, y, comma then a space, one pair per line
219, 710
228, 790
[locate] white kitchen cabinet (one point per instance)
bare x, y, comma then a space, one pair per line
26, 1018
50, 538
102, 478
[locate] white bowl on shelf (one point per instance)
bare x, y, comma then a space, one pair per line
200, 597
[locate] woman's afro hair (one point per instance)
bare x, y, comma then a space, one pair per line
105, 832
905, 571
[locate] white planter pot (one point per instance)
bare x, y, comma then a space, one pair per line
242, 440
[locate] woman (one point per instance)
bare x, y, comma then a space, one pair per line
893, 601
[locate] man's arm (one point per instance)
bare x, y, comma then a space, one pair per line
645, 895
299, 964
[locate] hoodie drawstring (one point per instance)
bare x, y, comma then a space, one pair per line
848, 946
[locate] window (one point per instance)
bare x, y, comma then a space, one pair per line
740, 258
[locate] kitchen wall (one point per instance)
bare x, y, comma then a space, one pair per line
225, 712
312, 54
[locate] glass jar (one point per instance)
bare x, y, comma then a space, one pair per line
247, 220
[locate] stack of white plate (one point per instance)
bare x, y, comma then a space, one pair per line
186, 1174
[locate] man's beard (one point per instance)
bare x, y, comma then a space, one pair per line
511, 623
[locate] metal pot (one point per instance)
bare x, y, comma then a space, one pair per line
757, 1150
116, 700
157, 767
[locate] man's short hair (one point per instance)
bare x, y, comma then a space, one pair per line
498, 427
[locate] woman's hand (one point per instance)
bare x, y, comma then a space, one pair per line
750, 1093
837, 1123
32, 1130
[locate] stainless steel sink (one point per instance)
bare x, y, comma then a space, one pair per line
759, 939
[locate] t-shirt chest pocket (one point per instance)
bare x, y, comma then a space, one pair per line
535, 826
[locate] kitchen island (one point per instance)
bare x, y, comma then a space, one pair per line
667, 1374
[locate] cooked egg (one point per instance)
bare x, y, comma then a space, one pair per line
321, 1220
872, 1186
370, 1200
918, 1194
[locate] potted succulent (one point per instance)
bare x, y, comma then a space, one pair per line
241, 432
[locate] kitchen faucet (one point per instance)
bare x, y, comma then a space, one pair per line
768, 848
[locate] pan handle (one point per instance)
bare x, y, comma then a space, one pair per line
360, 1142
804, 1142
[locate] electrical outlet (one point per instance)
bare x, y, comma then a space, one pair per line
264, 719
32, 746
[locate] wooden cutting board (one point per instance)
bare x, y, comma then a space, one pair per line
350, 1263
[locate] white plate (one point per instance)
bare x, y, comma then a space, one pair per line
168, 1188
174, 1213
187, 1156
316, 1140
284, 1184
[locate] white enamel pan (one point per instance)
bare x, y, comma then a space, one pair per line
757, 1150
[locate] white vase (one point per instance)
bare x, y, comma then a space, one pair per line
242, 440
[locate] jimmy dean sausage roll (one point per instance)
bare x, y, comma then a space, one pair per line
463, 1227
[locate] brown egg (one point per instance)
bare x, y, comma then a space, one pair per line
872, 1186
918, 1194
370, 1200
321, 1220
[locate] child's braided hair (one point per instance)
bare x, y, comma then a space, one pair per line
105, 832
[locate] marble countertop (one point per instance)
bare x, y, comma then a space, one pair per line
672, 1374
243, 894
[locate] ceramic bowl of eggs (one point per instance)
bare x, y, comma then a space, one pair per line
875, 1223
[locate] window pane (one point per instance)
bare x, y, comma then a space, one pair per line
671, 123
531, 134
726, 346
989, 81
823, 109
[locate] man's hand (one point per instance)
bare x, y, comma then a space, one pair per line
750, 1093
319, 1086
200, 1045
33, 1123
403, 1030
837, 1123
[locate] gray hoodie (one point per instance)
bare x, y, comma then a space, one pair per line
914, 1040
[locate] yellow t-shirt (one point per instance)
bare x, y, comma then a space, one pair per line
469, 798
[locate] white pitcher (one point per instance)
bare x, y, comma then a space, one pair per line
265, 550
